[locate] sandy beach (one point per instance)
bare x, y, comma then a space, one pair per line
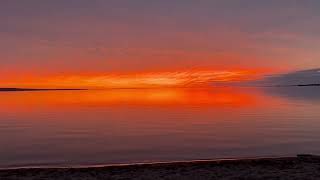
300, 167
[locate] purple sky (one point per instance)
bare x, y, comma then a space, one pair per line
101, 36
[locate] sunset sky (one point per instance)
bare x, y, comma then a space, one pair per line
136, 43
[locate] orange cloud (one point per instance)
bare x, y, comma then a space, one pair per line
138, 80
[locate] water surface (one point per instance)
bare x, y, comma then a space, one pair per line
59, 128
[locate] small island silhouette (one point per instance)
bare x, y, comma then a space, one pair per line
33, 89
308, 85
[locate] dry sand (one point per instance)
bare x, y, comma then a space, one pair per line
301, 167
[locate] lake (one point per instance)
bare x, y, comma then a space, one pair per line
95, 127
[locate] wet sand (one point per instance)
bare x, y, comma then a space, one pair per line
301, 167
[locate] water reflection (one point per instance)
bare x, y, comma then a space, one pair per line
213, 97
138, 125
306, 93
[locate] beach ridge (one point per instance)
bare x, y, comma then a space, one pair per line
298, 167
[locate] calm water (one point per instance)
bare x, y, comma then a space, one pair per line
126, 126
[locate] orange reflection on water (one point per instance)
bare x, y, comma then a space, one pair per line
171, 97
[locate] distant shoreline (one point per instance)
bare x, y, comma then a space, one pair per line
31, 89
85, 89
300, 167
308, 85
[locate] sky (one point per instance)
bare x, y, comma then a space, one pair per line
47, 43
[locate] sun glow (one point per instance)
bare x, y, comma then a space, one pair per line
138, 80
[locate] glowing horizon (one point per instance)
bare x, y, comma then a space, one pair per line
102, 38
153, 43
136, 80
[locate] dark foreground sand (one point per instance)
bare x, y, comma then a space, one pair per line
302, 167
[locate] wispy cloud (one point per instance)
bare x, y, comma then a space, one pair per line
140, 80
